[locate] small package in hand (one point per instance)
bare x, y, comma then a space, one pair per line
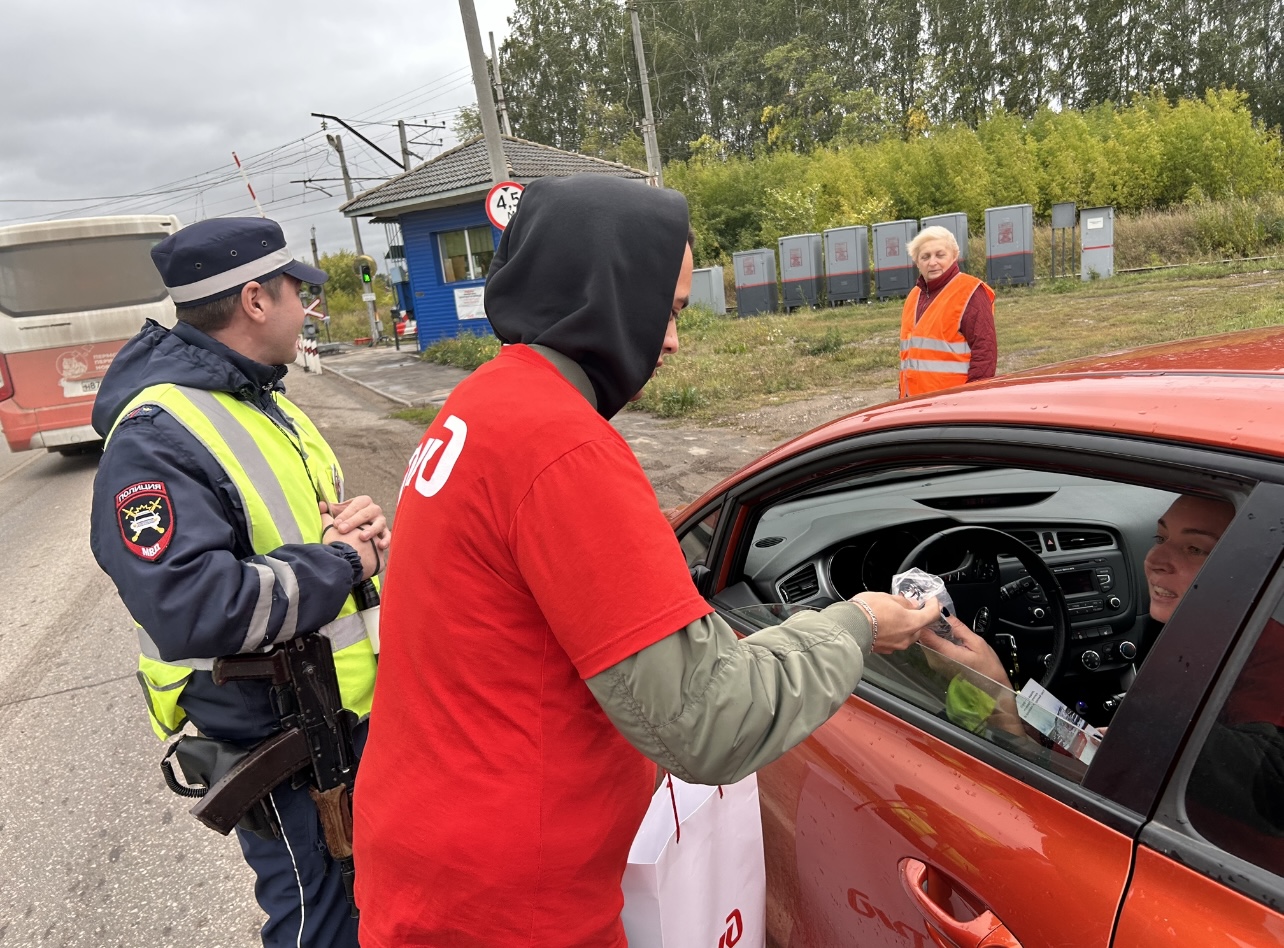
919, 586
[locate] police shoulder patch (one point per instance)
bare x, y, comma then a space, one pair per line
146, 519
139, 412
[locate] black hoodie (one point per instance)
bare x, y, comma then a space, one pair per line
587, 267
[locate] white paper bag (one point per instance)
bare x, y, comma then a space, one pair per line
698, 881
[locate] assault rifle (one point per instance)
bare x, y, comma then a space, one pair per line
315, 743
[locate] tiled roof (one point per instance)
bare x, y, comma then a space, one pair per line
466, 167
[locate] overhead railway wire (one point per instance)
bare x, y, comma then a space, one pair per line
192, 188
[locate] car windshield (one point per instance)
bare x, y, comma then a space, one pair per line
1031, 723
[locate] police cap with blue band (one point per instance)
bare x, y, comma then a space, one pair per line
211, 259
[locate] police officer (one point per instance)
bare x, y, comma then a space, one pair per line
219, 513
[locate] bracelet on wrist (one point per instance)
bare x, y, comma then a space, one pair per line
873, 620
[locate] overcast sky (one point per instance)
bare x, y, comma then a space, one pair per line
111, 100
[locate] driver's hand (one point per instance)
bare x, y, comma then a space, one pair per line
900, 620
974, 652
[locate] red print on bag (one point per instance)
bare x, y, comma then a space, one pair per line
735, 928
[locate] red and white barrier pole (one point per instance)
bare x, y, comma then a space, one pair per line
244, 178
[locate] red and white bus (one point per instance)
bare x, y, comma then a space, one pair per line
71, 293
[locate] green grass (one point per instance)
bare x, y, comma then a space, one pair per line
726, 366
421, 416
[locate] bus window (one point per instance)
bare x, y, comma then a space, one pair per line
71, 293
64, 276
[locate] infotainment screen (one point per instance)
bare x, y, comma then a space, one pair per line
1076, 581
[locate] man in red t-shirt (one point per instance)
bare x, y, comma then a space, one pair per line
543, 644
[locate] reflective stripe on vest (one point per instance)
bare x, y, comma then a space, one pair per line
934, 352
278, 511
936, 345
936, 365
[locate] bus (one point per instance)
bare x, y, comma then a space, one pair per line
71, 293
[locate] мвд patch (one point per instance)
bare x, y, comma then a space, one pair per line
146, 519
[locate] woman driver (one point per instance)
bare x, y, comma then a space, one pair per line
1185, 535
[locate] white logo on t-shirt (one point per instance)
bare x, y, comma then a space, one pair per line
436, 479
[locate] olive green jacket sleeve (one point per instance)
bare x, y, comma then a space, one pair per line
712, 708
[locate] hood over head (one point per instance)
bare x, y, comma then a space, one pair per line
587, 267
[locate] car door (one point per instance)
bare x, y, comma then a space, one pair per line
1210, 865
892, 825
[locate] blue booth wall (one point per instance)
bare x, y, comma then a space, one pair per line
434, 300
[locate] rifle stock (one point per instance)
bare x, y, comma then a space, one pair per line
274, 761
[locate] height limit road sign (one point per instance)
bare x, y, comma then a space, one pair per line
501, 202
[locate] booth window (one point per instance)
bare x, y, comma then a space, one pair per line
466, 254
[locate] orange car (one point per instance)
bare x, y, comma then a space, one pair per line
941, 807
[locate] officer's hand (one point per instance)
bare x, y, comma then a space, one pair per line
361, 514
900, 621
372, 562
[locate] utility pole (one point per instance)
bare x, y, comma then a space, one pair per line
485, 100
316, 262
405, 149
337, 144
499, 88
648, 120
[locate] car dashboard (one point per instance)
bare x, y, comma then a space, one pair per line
1092, 534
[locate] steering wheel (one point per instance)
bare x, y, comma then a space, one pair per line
988, 540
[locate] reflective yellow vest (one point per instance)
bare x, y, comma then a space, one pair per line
280, 508
934, 352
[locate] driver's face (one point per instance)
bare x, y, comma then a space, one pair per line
1185, 535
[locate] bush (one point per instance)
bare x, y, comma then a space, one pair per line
677, 402
1148, 155
831, 341
465, 351
349, 325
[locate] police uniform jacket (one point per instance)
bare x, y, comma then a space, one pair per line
201, 595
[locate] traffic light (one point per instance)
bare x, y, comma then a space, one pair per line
365, 269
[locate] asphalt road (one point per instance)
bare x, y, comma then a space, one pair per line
94, 850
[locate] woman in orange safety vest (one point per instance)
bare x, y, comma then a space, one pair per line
947, 325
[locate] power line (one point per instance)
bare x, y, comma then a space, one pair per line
283, 157
200, 182
440, 79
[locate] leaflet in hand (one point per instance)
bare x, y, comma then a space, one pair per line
1046, 713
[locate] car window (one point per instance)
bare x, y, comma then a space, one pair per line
1031, 723
695, 542
1091, 533
1235, 794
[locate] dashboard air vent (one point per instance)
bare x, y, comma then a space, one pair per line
1083, 539
803, 584
769, 541
1029, 538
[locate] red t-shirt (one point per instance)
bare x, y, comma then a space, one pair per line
496, 803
